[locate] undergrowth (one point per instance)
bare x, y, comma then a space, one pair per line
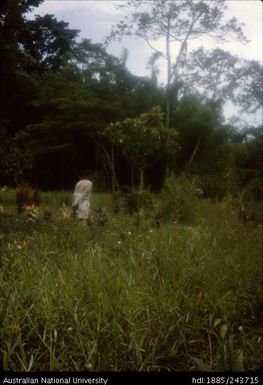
129, 296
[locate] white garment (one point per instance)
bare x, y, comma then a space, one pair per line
81, 198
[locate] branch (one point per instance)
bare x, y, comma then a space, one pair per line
184, 42
154, 49
172, 40
176, 38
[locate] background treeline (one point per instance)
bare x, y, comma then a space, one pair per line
58, 94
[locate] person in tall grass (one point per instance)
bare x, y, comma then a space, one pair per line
81, 198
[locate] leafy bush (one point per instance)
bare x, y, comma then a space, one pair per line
27, 218
253, 190
219, 185
248, 204
178, 201
135, 200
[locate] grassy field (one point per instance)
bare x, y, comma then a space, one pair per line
128, 295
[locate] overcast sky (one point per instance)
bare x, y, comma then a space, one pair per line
94, 19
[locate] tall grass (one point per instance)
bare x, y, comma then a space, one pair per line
118, 297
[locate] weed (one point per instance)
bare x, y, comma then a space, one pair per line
183, 296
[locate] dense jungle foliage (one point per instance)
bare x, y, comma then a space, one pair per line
58, 95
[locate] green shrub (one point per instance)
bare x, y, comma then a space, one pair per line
178, 201
253, 190
248, 204
219, 185
135, 200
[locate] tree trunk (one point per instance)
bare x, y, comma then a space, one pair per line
3, 88
132, 175
141, 185
113, 174
168, 91
61, 170
110, 163
194, 152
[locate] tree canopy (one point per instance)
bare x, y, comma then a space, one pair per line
67, 104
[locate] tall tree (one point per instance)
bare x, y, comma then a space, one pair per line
143, 140
176, 23
28, 49
76, 102
50, 42
199, 125
14, 61
217, 74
